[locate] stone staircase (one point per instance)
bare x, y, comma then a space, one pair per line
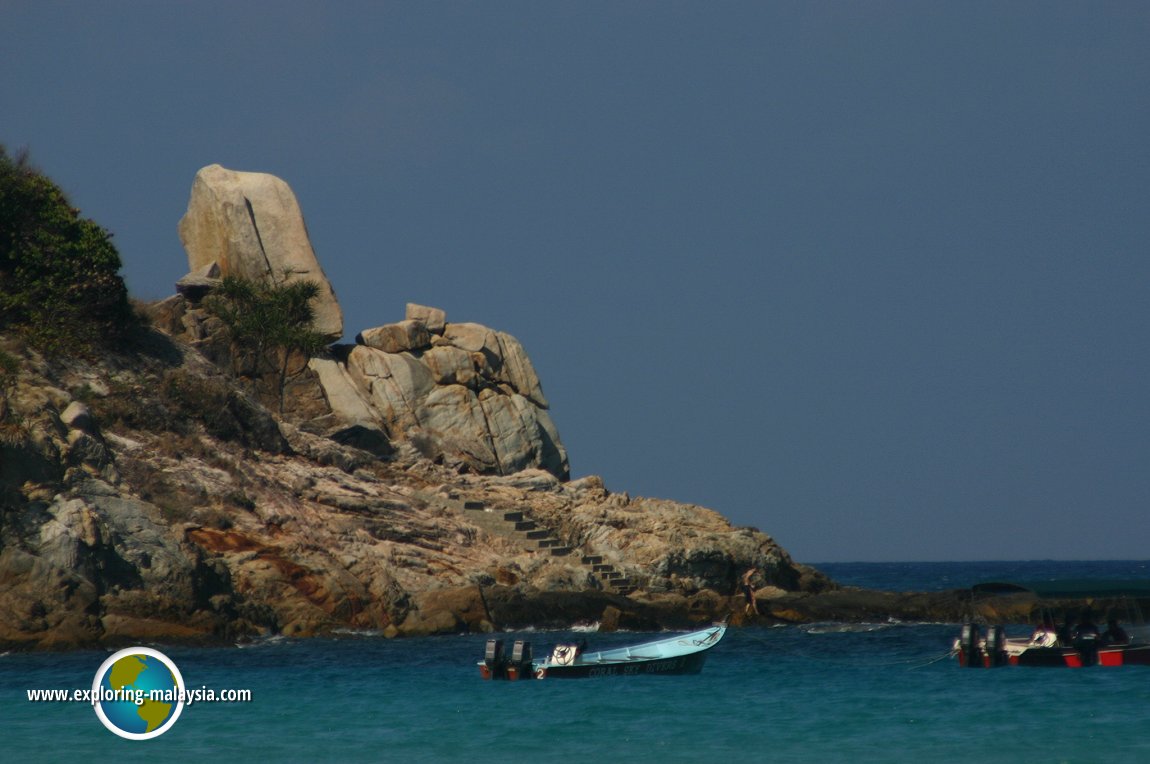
607, 573
515, 524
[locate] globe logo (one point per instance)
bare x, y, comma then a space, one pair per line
138, 693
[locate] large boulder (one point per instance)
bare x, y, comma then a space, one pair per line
395, 384
453, 417
435, 319
513, 424
505, 358
398, 337
451, 366
250, 225
461, 393
352, 421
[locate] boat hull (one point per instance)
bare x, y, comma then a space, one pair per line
1127, 655
1075, 603
681, 654
1055, 657
1018, 653
683, 664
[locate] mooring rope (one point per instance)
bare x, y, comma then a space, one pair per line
948, 654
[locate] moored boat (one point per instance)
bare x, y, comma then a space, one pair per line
1078, 642
678, 654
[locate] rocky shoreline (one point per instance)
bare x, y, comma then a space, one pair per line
137, 511
410, 484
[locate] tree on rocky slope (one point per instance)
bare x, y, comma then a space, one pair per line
59, 273
269, 326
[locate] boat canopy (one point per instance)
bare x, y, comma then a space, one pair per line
1075, 588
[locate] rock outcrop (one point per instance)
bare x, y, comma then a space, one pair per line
249, 224
147, 497
411, 484
479, 411
464, 395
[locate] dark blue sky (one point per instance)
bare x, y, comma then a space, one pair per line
869, 276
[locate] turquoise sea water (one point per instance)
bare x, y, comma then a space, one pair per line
824, 692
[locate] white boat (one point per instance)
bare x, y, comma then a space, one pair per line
679, 654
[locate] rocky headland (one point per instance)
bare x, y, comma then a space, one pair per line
412, 483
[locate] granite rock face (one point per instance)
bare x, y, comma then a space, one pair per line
146, 498
143, 498
413, 483
249, 224
462, 394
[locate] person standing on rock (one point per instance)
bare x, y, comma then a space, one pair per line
752, 607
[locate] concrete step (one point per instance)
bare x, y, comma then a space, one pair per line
592, 559
547, 543
602, 568
473, 505
539, 533
525, 525
560, 551
512, 517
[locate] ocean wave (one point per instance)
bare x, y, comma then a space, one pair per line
845, 628
349, 632
269, 641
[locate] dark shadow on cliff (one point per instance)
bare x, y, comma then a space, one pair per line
143, 342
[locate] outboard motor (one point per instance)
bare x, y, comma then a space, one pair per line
493, 663
520, 665
969, 651
994, 652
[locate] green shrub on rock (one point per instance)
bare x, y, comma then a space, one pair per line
59, 273
269, 324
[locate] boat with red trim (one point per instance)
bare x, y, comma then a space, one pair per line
1077, 643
